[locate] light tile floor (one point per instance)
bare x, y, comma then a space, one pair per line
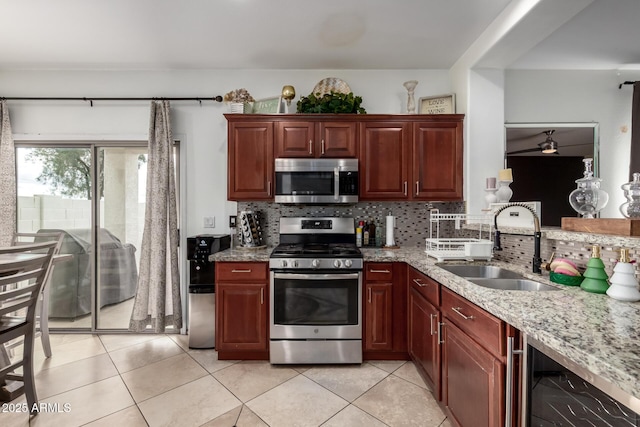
156, 380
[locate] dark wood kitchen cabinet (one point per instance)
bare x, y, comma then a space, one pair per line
424, 328
401, 157
473, 363
384, 160
242, 309
306, 138
415, 158
384, 311
250, 160
437, 160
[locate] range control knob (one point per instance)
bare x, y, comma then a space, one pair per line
348, 263
315, 263
337, 263
284, 263
294, 263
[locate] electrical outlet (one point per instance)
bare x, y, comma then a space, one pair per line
232, 221
209, 222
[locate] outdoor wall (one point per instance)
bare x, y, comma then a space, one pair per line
54, 212
42, 211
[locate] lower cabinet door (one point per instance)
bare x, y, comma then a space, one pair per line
378, 316
423, 339
241, 316
472, 381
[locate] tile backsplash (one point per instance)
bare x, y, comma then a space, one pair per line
412, 218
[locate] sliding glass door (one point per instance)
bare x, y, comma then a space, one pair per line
95, 195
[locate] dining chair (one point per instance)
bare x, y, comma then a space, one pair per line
43, 311
23, 272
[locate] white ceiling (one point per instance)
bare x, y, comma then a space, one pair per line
300, 34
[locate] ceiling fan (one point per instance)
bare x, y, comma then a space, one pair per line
548, 146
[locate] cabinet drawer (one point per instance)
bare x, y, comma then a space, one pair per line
486, 329
378, 271
428, 288
241, 271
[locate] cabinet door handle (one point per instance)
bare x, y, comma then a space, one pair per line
511, 352
268, 188
241, 271
369, 297
405, 188
431, 316
417, 282
322, 147
310, 147
379, 271
440, 325
457, 310
261, 296
417, 188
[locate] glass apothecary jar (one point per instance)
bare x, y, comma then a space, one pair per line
631, 208
588, 198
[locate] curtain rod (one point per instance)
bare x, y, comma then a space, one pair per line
91, 99
628, 82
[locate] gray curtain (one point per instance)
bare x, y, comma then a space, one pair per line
157, 302
7, 178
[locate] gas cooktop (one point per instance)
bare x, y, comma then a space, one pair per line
316, 250
317, 243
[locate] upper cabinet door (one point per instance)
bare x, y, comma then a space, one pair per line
295, 139
437, 161
337, 139
250, 161
384, 155
315, 139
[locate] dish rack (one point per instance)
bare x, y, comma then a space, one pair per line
459, 248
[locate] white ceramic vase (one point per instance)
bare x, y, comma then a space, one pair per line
504, 192
411, 103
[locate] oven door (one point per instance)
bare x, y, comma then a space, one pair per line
316, 305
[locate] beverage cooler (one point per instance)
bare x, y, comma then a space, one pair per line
202, 297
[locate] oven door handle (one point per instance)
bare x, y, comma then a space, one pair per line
305, 276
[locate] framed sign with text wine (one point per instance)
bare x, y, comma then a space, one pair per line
441, 104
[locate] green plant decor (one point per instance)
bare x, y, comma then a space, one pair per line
333, 102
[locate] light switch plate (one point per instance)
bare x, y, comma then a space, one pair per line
209, 222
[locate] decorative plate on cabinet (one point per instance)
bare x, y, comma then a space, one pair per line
331, 84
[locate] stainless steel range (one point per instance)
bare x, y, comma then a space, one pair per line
316, 289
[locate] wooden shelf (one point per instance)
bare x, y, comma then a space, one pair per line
612, 226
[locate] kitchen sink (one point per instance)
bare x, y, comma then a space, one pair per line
480, 271
513, 284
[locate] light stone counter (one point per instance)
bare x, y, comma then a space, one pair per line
595, 331
243, 255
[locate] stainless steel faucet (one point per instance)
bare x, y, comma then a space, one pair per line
537, 261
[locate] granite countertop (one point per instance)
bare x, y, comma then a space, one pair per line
595, 331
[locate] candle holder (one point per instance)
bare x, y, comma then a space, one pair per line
504, 192
490, 197
411, 103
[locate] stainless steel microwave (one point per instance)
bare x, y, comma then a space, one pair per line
316, 181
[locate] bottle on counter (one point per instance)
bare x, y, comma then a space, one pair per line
365, 234
359, 233
372, 233
624, 286
595, 277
